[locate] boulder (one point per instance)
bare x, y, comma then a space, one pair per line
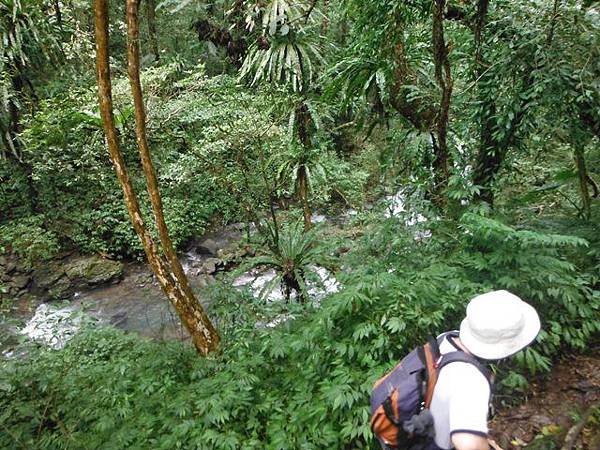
207, 247
60, 279
10, 266
20, 281
46, 276
61, 289
210, 266
93, 270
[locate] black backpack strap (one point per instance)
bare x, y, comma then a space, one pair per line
465, 357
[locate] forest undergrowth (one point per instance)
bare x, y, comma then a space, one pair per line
457, 142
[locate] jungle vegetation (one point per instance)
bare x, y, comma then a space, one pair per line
130, 128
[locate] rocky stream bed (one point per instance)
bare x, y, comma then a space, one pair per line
53, 301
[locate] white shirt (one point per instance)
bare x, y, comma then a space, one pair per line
460, 400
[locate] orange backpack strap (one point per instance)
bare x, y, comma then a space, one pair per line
432, 357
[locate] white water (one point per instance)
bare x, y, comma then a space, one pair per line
53, 326
396, 208
137, 304
257, 281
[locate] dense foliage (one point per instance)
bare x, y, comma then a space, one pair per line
481, 117
306, 383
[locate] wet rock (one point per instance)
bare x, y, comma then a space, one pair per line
60, 279
20, 281
207, 247
61, 289
210, 266
47, 275
10, 266
119, 319
93, 270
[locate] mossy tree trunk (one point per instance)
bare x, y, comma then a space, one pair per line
151, 21
167, 268
302, 181
303, 194
444, 80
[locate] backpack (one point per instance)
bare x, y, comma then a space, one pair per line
407, 390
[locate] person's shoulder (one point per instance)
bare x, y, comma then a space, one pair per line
465, 374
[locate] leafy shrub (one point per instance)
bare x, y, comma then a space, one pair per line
76, 185
304, 384
29, 239
532, 264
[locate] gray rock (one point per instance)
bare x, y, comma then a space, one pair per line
61, 289
93, 270
60, 279
21, 281
210, 266
10, 266
207, 247
119, 318
46, 276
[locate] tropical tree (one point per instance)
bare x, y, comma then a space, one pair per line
151, 22
165, 266
534, 62
385, 68
287, 54
27, 40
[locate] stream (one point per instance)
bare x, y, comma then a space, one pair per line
137, 304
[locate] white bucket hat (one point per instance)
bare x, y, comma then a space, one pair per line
498, 324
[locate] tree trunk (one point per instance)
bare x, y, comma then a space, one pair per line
425, 116
325, 19
582, 174
303, 194
420, 115
443, 77
58, 13
488, 159
302, 186
174, 286
152, 38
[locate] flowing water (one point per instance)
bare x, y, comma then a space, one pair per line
137, 304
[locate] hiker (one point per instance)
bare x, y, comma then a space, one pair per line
498, 324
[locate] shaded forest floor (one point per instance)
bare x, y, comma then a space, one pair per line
555, 407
